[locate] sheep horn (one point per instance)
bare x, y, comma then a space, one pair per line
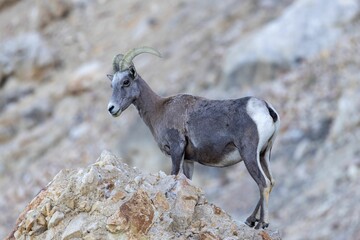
126, 61
116, 61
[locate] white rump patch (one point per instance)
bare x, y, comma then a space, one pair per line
259, 113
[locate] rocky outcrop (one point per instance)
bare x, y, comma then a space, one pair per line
305, 29
109, 200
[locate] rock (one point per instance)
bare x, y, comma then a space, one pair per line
347, 117
7, 132
6, 3
55, 219
13, 95
289, 39
134, 216
161, 206
24, 56
74, 229
38, 113
48, 11
84, 78
187, 198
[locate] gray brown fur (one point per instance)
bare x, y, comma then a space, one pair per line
216, 133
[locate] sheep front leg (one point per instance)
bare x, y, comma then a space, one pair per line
175, 146
188, 168
176, 158
255, 216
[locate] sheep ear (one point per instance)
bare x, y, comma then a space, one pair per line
132, 72
110, 76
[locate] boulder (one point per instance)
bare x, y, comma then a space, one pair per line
110, 200
25, 56
305, 29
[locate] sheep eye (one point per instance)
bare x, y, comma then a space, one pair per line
126, 83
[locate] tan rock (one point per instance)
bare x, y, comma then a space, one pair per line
135, 216
208, 236
70, 203
74, 228
31, 220
171, 207
55, 219
161, 202
120, 195
186, 199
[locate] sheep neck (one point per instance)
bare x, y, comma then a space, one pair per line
148, 103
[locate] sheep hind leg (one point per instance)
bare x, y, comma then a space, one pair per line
264, 212
260, 214
265, 192
265, 165
252, 162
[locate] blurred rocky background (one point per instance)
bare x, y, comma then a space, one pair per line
301, 55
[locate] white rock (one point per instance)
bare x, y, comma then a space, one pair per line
25, 55
90, 177
74, 229
129, 189
138, 179
162, 174
55, 219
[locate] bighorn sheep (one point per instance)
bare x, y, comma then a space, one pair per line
190, 129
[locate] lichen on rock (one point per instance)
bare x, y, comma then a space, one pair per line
93, 203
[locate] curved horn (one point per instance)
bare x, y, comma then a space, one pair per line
126, 61
116, 62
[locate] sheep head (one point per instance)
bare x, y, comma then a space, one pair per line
123, 81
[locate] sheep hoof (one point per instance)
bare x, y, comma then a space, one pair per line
250, 221
250, 224
262, 225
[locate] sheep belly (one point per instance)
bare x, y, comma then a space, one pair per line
215, 155
227, 159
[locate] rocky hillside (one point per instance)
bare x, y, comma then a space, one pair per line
110, 200
301, 55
